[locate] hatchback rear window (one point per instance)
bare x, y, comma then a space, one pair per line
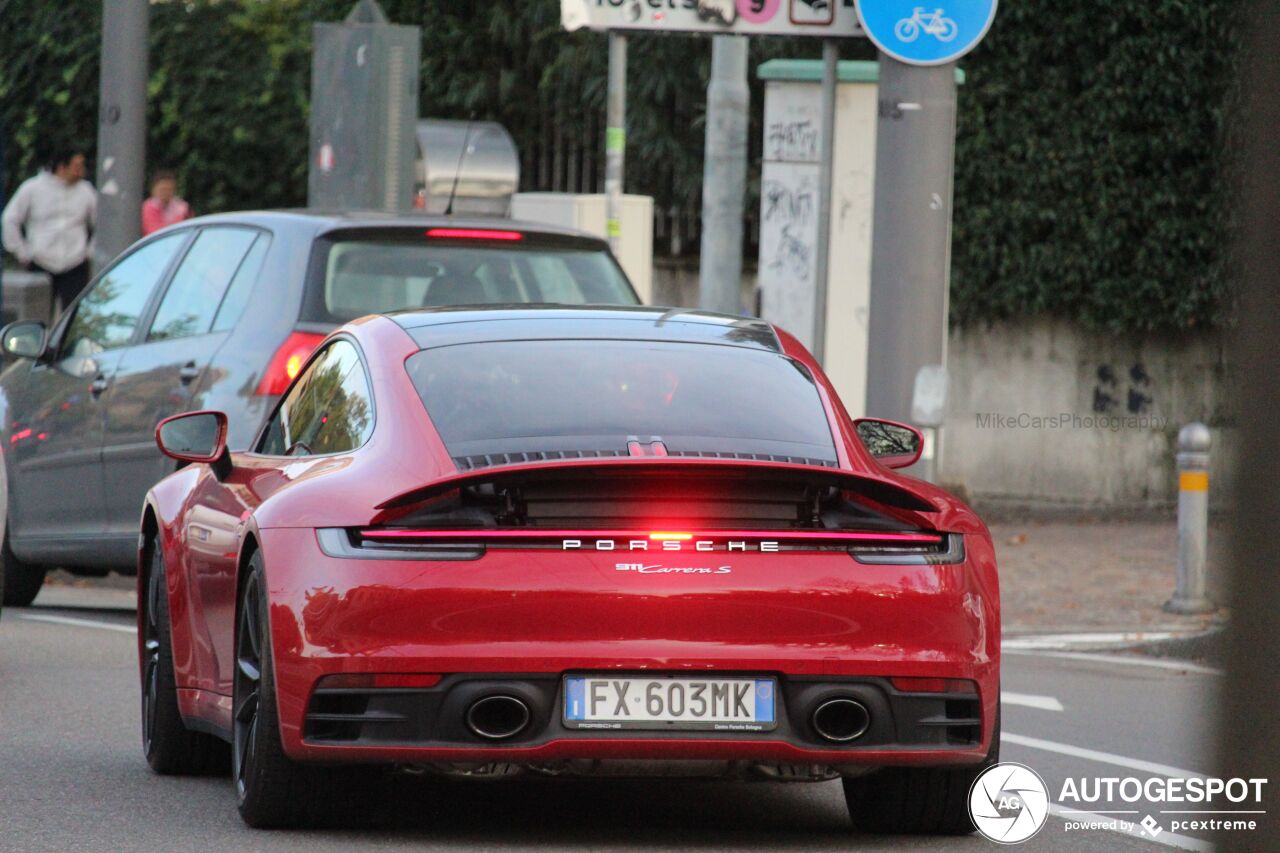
355, 275
595, 395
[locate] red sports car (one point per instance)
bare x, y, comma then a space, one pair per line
566, 541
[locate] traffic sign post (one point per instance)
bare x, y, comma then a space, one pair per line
915, 148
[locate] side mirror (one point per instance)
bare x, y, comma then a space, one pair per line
893, 445
23, 339
194, 437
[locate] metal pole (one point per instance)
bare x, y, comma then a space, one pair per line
122, 127
826, 169
724, 176
615, 139
1190, 594
915, 143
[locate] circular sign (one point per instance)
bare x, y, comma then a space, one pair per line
942, 31
758, 11
1009, 803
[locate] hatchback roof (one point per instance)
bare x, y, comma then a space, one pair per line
444, 326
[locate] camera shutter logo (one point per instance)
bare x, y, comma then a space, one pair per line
1009, 803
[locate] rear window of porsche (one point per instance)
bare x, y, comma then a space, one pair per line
593, 396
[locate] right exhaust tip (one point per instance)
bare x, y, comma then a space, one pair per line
498, 717
841, 720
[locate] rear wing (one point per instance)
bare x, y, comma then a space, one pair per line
574, 485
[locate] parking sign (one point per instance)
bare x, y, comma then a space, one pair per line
926, 32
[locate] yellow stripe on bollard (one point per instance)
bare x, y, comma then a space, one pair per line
1193, 481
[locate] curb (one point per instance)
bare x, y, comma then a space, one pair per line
1201, 645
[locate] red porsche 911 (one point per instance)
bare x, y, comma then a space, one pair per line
566, 541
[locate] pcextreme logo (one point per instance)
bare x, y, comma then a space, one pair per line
1009, 803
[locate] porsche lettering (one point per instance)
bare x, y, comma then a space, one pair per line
666, 545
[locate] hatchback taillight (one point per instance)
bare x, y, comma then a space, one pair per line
287, 362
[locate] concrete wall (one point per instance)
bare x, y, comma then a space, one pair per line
1041, 413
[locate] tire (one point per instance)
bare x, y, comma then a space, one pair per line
22, 581
272, 791
906, 30
171, 748
917, 800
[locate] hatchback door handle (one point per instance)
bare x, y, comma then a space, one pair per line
188, 372
98, 385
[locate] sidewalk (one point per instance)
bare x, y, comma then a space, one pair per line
1095, 575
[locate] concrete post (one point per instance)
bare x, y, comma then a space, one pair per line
911, 232
826, 177
122, 127
615, 139
1190, 596
724, 176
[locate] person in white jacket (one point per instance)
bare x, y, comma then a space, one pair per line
49, 221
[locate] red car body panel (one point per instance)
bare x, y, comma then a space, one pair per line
794, 614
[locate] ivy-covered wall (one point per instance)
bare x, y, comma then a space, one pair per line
1091, 160
1093, 165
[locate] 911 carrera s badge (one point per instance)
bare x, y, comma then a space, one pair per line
672, 570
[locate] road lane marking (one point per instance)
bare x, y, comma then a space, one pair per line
1030, 700
1099, 756
1122, 660
81, 623
1168, 839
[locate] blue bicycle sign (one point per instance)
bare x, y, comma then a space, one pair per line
926, 34
935, 24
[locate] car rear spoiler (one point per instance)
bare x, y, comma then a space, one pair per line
872, 489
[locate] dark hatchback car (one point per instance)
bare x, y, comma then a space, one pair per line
220, 313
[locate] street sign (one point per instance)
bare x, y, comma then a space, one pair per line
939, 31
825, 18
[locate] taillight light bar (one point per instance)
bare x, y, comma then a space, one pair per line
879, 547
782, 536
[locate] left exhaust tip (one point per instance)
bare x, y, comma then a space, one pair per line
498, 717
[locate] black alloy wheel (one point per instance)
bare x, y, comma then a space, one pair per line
171, 748
250, 642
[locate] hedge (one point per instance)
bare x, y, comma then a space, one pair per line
1092, 170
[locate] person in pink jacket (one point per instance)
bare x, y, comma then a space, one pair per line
164, 207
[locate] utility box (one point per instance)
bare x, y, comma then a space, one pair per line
789, 212
587, 213
789, 216
364, 106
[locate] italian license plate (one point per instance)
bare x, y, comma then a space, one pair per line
670, 703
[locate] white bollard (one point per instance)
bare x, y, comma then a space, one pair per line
1190, 594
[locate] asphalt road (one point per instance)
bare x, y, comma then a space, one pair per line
72, 775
